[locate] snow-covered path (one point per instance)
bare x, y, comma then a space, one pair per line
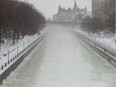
62, 60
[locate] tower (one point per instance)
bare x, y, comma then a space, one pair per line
59, 8
85, 8
75, 8
75, 5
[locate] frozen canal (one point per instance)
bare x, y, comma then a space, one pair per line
62, 60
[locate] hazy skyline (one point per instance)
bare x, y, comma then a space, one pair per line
50, 7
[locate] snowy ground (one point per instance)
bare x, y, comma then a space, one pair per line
106, 42
62, 60
7, 51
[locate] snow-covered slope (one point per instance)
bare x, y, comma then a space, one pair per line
8, 52
108, 43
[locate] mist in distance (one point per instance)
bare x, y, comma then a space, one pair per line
50, 7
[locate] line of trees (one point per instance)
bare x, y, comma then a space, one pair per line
92, 25
18, 19
104, 22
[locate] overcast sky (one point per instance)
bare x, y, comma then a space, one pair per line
50, 7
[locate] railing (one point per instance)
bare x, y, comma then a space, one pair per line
12, 55
108, 54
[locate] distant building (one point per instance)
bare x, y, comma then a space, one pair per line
115, 15
105, 9
102, 8
69, 15
97, 7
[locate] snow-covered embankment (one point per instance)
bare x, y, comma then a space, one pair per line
10, 61
103, 46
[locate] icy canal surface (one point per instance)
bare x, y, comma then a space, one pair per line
62, 60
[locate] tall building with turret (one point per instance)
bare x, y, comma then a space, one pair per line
70, 14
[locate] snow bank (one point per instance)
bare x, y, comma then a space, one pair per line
108, 43
8, 53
